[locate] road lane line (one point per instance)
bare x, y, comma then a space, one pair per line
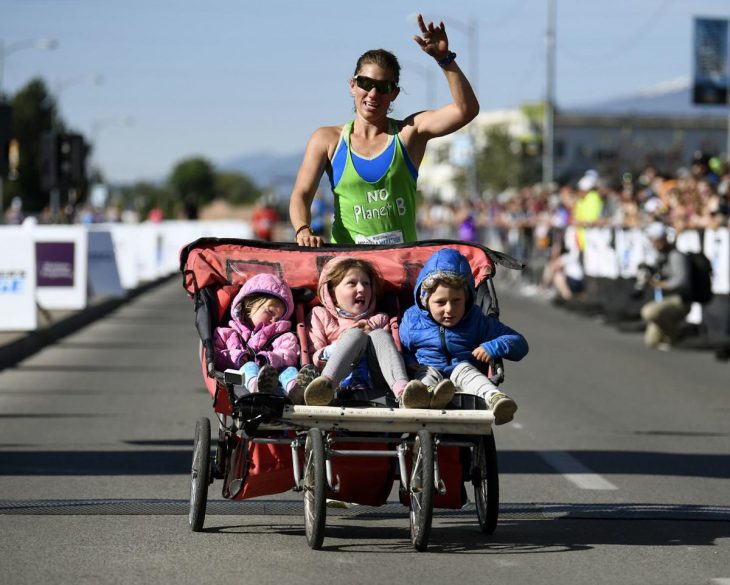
575, 472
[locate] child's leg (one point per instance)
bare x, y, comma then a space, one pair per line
389, 360
288, 379
472, 381
413, 394
250, 371
347, 350
428, 375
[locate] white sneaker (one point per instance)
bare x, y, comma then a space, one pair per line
441, 394
415, 395
319, 392
502, 406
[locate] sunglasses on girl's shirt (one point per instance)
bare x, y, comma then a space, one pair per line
384, 86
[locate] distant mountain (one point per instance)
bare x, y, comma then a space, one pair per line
669, 98
270, 170
266, 168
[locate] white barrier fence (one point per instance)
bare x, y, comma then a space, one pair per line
617, 253
63, 267
612, 255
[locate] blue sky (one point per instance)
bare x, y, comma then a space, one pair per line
223, 78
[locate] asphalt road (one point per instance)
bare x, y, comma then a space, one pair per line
616, 470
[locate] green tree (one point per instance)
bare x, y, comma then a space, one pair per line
144, 196
236, 188
193, 182
34, 113
499, 163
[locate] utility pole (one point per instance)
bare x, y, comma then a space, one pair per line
548, 159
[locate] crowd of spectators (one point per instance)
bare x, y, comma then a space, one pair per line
528, 223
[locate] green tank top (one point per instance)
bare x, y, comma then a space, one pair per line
383, 212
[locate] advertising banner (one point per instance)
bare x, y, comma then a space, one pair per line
17, 281
61, 266
103, 273
711, 69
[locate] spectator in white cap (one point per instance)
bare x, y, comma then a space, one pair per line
665, 315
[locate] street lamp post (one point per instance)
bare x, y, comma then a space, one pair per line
548, 159
97, 125
429, 76
5, 50
8, 49
60, 86
472, 32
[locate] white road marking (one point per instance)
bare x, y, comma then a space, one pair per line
575, 472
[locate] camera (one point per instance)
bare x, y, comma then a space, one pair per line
644, 274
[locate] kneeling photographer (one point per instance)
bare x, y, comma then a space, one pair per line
671, 279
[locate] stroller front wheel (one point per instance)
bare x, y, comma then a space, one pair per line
315, 488
199, 475
421, 489
485, 479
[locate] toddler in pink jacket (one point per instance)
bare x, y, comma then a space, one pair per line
259, 342
345, 328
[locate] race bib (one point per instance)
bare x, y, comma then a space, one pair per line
387, 238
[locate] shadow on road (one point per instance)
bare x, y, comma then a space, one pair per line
511, 537
164, 462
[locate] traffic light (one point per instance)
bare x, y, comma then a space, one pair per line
6, 114
72, 159
63, 160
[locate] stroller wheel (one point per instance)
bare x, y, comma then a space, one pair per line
315, 489
200, 475
421, 489
485, 479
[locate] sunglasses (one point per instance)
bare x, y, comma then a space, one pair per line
383, 87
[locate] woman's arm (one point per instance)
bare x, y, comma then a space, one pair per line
316, 157
423, 126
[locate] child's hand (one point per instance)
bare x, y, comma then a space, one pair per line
481, 354
364, 325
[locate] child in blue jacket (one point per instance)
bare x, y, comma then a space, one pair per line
448, 341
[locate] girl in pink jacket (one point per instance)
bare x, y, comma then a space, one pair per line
345, 328
258, 340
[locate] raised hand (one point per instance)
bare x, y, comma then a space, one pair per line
433, 39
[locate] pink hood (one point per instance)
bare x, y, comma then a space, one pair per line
263, 283
325, 325
323, 291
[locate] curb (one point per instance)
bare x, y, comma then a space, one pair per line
34, 341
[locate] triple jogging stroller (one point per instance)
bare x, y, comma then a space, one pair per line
354, 449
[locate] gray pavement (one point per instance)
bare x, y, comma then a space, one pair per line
56, 324
616, 469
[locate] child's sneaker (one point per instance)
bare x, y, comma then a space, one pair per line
441, 394
308, 373
415, 395
319, 392
502, 406
268, 380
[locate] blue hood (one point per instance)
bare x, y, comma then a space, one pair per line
447, 262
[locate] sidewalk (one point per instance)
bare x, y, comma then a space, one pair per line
15, 346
